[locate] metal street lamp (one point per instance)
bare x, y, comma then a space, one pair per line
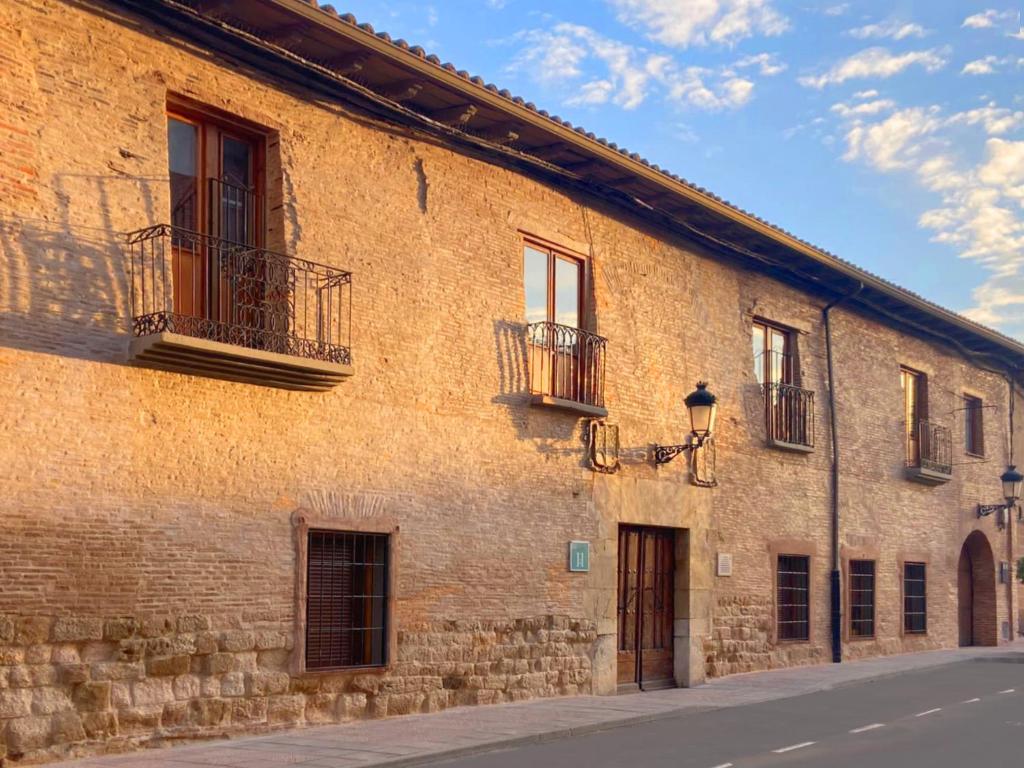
702, 407
1012, 481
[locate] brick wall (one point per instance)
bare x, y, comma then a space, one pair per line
148, 513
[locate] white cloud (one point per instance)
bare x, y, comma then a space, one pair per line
605, 71
863, 108
981, 202
868, 94
681, 23
985, 66
875, 62
986, 19
836, 10
768, 64
893, 28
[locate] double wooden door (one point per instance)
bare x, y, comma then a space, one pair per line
645, 606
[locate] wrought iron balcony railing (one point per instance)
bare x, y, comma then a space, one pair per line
930, 448
789, 416
216, 290
566, 364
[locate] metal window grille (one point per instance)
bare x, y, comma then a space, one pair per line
862, 598
346, 599
794, 597
915, 603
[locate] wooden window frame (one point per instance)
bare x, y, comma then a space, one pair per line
302, 523
789, 369
554, 252
852, 634
974, 426
912, 426
213, 126
904, 563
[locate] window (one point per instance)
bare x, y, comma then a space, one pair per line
554, 287
974, 432
773, 360
862, 598
915, 410
346, 599
565, 362
216, 177
915, 603
793, 576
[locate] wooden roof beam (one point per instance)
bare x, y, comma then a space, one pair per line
548, 151
402, 91
458, 115
348, 64
284, 36
500, 133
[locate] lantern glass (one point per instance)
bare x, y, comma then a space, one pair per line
1012, 480
703, 407
702, 419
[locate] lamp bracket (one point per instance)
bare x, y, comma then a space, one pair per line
984, 510
663, 454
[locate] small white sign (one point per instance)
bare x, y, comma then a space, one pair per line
724, 564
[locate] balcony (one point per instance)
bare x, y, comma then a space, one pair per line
789, 417
213, 307
929, 453
566, 368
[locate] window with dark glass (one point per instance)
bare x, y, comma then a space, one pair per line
915, 411
862, 598
346, 599
974, 426
793, 597
216, 173
915, 603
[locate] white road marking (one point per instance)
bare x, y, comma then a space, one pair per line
794, 746
1009, 690
972, 701
868, 728
723, 765
929, 712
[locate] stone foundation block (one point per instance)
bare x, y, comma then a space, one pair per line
285, 709
92, 697
167, 666
139, 721
67, 728
76, 630
248, 711
99, 725
32, 630
28, 733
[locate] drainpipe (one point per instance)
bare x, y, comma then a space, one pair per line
836, 588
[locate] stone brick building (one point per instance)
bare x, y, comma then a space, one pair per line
317, 353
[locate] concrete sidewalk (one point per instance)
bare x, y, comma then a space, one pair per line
420, 739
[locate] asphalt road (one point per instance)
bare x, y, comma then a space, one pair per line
965, 714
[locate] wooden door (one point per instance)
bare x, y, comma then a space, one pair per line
646, 587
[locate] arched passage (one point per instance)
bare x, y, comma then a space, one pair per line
977, 592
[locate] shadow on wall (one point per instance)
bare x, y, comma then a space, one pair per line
64, 286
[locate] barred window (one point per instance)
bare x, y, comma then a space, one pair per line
915, 603
862, 598
793, 580
346, 599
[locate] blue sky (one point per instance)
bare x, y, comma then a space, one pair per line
890, 133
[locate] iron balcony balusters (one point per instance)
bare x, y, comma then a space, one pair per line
566, 363
789, 415
930, 447
215, 289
